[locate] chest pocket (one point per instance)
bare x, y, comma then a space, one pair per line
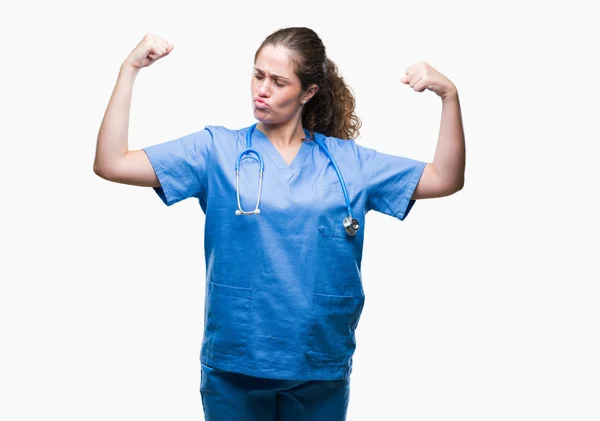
333, 208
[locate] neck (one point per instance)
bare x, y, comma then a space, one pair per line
289, 133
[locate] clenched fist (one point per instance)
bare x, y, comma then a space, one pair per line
421, 76
149, 49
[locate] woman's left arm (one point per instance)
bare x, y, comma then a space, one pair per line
446, 174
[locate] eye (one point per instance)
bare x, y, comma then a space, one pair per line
281, 85
259, 77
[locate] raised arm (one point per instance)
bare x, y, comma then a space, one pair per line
113, 160
446, 174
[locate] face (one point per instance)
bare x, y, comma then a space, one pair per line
276, 90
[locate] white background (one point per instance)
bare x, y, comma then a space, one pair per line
479, 306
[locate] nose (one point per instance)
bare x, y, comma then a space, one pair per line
264, 88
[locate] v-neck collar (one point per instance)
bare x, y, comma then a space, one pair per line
288, 171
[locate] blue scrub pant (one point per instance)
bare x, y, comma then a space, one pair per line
228, 396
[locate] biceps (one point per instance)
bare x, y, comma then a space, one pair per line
135, 169
431, 185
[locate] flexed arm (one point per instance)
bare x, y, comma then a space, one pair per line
113, 160
446, 174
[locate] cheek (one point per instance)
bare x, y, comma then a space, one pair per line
287, 99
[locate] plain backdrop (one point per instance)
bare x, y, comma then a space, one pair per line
479, 306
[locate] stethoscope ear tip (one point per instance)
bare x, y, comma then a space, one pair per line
238, 212
257, 211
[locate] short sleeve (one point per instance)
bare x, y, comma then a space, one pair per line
181, 166
390, 181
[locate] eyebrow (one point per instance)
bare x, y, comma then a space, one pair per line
272, 75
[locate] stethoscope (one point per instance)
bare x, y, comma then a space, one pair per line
351, 225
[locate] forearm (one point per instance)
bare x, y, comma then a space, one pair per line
449, 158
112, 143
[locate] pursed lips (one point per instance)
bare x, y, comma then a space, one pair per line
260, 101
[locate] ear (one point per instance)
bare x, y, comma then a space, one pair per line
310, 92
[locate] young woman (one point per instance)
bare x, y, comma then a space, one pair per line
285, 202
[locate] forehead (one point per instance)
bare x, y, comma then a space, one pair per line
276, 60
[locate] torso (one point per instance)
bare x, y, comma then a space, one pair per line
283, 287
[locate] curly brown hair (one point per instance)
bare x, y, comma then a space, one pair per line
331, 110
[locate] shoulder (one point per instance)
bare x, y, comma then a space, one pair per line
225, 137
222, 131
337, 145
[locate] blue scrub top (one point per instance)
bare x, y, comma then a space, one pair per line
283, 288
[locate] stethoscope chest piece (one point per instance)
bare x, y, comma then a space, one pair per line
351, 226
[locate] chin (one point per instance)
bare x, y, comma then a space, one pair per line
263, 117
267, 118
259, 114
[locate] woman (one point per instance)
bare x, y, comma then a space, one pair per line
283, 250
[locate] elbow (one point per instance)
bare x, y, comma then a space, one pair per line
458, 186
101, 172
451, 188
97, 169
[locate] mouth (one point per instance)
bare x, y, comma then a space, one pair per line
260, 103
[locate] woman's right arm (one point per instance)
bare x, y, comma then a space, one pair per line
114, 161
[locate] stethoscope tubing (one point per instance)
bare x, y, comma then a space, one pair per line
351, 225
